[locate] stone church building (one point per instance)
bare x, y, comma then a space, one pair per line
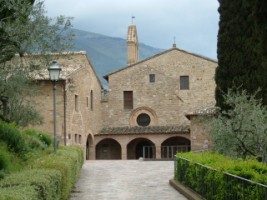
148, 110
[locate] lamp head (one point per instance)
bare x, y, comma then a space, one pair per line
54, 71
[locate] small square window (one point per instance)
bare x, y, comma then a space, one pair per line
152, 78
184, 82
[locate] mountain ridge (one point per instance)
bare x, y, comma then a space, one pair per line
107, 54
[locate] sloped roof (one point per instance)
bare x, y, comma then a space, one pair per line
69, 63
157, 55
143, 130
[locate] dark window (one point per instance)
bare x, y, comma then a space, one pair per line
184, 82
80, 139
152, 78
128, 99
92, 99
76, 103
143, 119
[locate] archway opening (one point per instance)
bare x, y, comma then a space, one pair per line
140, 147
89, 144
173, 145
108, 149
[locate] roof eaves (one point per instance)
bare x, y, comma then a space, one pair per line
156, 55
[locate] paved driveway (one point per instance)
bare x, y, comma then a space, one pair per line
126, 180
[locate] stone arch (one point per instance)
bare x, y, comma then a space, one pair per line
140, 147
108, 149
172, 145
143, 110
88, 147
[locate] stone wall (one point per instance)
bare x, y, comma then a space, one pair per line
200, 133
163, 99
82, 118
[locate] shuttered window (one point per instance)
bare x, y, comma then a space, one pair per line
128, 99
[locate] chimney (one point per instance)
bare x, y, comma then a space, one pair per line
132, 45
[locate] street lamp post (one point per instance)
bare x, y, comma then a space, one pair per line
54, 73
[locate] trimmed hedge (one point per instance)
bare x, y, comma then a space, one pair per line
205, 174
50, 177
69, 162
45, 181
19, 193
249, 169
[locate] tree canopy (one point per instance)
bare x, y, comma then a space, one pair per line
25, 30
242, 52
242, 130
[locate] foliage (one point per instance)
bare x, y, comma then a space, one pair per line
242, 54
45, 182
43, 174
43, 138
68, 161
16, 148
206, 173
19, 193
13, 138
4, 162
48, 177
25, 31
241, 131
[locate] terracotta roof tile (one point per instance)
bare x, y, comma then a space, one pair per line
143, 130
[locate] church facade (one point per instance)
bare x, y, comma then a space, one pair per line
146, 110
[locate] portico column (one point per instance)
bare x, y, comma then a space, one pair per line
158, 152
92, 153
124, 152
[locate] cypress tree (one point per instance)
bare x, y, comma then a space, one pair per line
241, 53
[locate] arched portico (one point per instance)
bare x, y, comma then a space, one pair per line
140, 147
108, 149
172, 145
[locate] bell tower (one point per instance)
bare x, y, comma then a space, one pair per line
132, 45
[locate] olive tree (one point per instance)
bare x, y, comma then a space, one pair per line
241, 131
25, 31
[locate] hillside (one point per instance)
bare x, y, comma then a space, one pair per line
107, 54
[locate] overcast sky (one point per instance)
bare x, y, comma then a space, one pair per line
194, 23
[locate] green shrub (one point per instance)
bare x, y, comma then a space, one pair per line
4, 162
13, 138
19, 193
46, 182
68, 161
45, 140
203, 172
